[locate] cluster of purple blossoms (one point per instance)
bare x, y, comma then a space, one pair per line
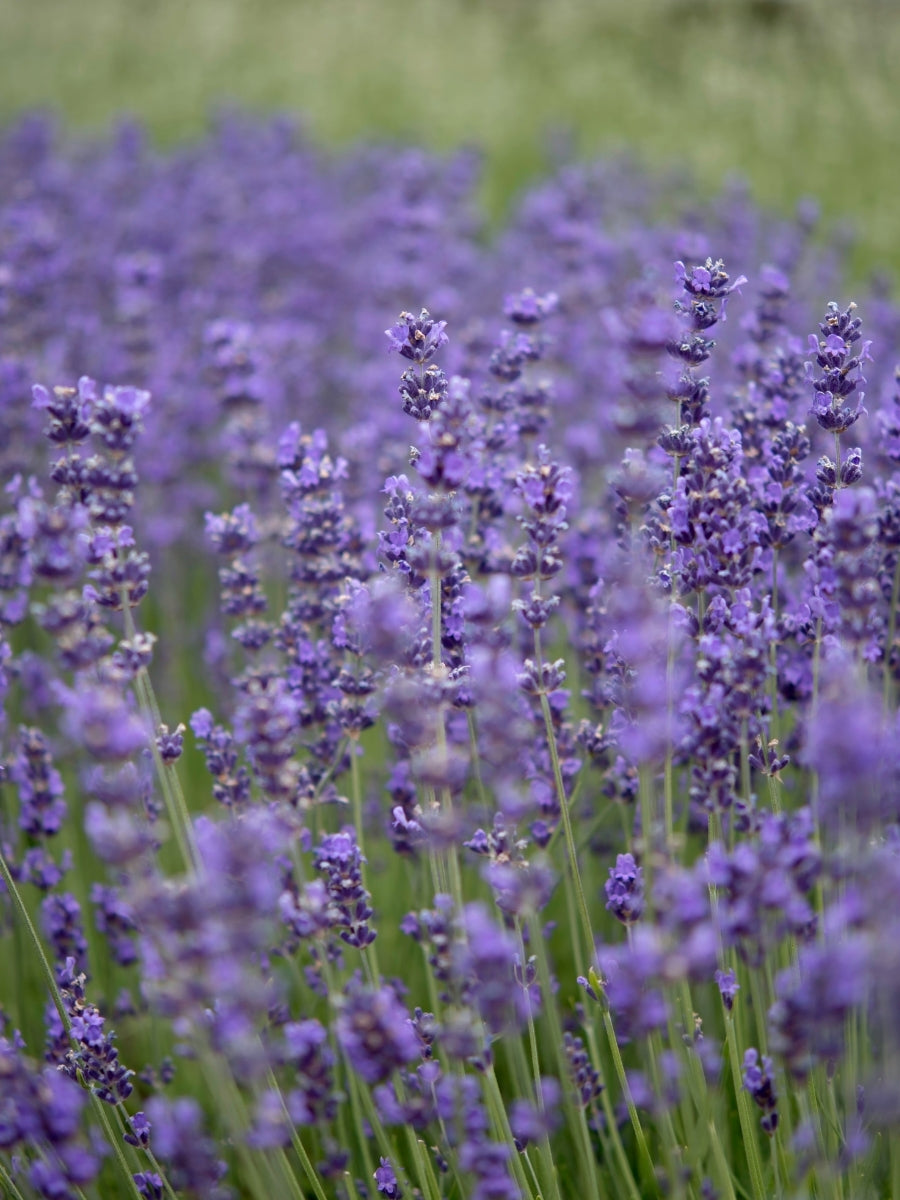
82, 1048
765, 885
375, 1033
758, 1082
480, 969
339, 859
625, 890
841, 369
41, 1114
705, 291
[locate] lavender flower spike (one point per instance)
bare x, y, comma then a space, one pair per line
625, 890
416, 338
759, 1083
387, 1180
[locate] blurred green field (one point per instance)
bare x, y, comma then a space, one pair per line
799, 96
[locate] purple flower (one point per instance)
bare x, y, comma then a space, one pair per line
266, 722
528, 308
40, 1124
584, 1075
114, 917
170, 744
814, 1000
417, 338
184, 1148
63, 926
306, 1051
633, 982
149, 1184
758, 1081
106, 725
202, 723
387, 1180
41, 793
374, 1031
339, 859
532, 1122
117, 837
89, 1053
708, 281
487, 962
68, 410
625, 890
728, 987
140, 1130
854, 751
489, 1163
232, 533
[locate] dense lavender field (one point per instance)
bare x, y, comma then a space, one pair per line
449, 755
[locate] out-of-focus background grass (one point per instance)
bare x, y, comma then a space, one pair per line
800, 96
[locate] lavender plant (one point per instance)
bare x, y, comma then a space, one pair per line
536, 833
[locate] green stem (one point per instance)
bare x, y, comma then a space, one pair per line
586, 929
173, 796
476, 760
157, 1167
546, 1154
745, 1113
746, 791
19, 905
669, 1139
761, 1006
370, 956
384, 1143
99, 1108
722, 1168
648, 821
612, 1126
9, 1188
574, 1110
502, 1130
309, 1170
532, 1174
170, 785
423, 1163
626, 1092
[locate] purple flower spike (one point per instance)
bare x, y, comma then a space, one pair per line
186, 1151
528, 308
387, 1180
417, 338
103, 721
339, 859
759, 1083
728, 987
710, 280
40, 1112
375, 1032
625, 890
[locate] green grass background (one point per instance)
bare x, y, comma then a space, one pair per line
799, 96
